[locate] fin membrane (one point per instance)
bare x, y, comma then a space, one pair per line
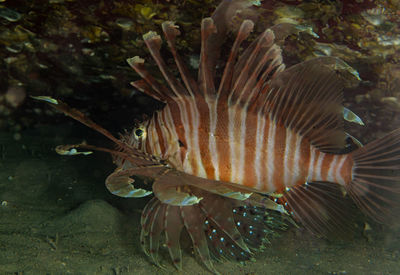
307, 98
175, 187
322, 208
376, 178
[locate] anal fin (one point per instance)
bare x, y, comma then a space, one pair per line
322, 208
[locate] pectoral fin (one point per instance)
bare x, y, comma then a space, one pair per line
174, 193
120, 184
174, 188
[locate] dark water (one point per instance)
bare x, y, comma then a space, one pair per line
56, 216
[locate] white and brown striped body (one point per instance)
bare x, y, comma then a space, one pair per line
237, 145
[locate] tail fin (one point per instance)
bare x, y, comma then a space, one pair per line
375, 186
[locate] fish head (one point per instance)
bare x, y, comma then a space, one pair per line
154, 137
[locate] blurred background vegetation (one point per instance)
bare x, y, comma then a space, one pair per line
76, 51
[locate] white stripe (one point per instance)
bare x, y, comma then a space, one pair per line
311, 164
287, 175
232, 141
332, 166
201, 172
318, 166
212, 144
296, 160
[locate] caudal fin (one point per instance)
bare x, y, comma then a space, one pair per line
375, 186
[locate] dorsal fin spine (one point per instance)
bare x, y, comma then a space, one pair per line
153, 43
205, 77
159, 91
171, 32
244, 82
245, 29
248, 89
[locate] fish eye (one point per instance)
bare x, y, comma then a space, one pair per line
139, 132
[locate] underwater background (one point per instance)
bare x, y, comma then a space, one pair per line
56, 215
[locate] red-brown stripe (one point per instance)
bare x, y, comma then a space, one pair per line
157, 119
304, 160
176, 117
346, 169
249, 178
279, 151
263, 162
223, 148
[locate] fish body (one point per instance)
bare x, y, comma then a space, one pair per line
243, 148
235, 158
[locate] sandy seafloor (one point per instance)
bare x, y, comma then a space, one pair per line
56, 217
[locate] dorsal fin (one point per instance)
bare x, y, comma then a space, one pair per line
149, 86
153, 42
307, 98
206, 69
255, 67
145, 88
226, 18
171, 31
226, 81
214, 32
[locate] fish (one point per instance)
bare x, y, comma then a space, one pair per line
246, 149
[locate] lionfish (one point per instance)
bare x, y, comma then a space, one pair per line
228, 152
